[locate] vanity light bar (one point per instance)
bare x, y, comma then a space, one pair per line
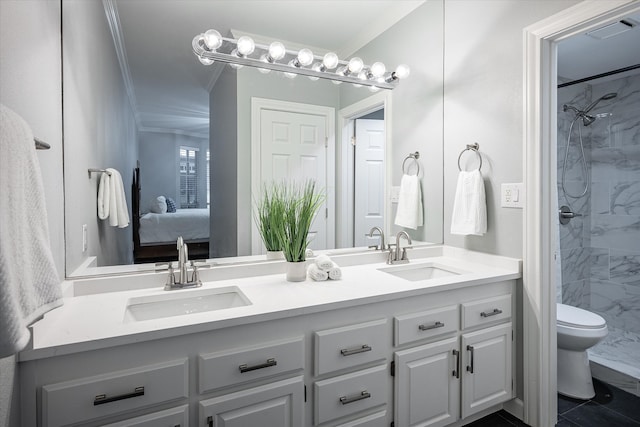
314, 70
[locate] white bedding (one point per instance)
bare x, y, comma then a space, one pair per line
191, 224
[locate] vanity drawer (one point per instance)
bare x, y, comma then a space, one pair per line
347, 394
349, 346
379, 419
425, 324
236, 366
486, 311
175, 417
113, 393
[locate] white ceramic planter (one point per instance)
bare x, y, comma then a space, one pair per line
296, 271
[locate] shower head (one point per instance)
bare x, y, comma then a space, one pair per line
594, 103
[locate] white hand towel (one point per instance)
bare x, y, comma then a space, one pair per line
112, 202
317, 274
410, 212
324, 262
335, 273
29, 283
469, 206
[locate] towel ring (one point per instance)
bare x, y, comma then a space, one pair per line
471, 147
415, 156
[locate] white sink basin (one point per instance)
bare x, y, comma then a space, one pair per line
422, 271
182, 302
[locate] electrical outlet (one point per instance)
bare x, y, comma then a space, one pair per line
85, 238
512, 195
395, 194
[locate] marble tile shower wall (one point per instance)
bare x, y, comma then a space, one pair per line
600, 251
615, 206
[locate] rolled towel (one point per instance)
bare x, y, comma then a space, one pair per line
314, 272
335, 273
324, 262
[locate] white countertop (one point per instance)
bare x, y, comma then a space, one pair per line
89, 322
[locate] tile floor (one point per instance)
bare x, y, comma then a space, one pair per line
611, 407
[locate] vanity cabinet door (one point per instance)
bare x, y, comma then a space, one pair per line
276, 404
427, 385
175, 417
487, 368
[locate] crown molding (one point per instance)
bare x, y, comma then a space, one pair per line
173, 132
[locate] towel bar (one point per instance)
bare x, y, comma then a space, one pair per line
92, 170
471, 147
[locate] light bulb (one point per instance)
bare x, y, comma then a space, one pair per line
355, 65
277, 51
246, 45
305, 57
402, 71
330, 60
378, 69
205, 61
212, 39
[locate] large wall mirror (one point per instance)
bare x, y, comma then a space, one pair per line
136, 99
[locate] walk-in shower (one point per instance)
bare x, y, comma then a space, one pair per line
598, 258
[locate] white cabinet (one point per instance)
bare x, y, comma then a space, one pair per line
441, 382
275, 404
487, 377
427, 388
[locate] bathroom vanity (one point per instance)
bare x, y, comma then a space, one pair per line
426, 343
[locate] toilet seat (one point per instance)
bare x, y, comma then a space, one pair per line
575, 317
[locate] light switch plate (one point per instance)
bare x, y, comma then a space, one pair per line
512, 195
395, 194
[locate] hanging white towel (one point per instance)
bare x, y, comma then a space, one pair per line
410, 211
29, 283
112, 202
469, 206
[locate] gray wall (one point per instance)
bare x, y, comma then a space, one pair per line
159, 163
30, 84
483, 86
416, 40
100, 132
223, 215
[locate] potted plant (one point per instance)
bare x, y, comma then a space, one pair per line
301, 202
268, 216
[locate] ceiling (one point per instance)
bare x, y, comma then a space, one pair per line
168, 85
583, 56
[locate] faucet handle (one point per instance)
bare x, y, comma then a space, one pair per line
195, 275
171, 278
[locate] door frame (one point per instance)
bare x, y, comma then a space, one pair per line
345, 163
540, 177
259, 104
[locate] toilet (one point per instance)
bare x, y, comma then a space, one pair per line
578, 330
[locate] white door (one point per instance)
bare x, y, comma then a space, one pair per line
427, 387
293, 146
487, 373
368, 180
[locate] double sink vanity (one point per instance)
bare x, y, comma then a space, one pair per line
427, 343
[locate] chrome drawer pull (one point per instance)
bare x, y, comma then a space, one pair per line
364, 395
349, 351
101, 399
456, 371
246, 368
470, 367
434, 326
493, 313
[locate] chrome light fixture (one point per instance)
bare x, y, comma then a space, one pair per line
244, 51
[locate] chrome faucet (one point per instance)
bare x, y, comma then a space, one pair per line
395, 256
381, 234
183, 281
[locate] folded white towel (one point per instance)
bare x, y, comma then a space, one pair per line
324, 262
469, 206
317, 274
410, 211
29, 283
112, 202
335, 273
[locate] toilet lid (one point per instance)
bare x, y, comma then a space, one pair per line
578, 318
